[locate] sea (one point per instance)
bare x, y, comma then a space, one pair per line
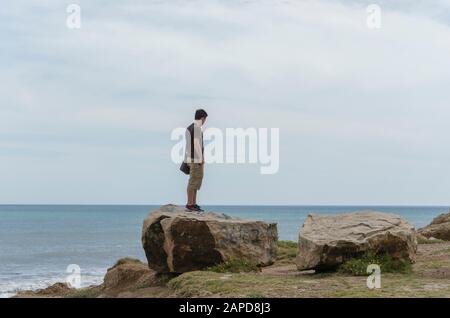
44, 244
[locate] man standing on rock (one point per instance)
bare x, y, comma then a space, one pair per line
195, 159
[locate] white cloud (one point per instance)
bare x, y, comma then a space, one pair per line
312, 68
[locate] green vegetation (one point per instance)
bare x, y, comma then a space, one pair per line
358, 266
256, 295
428, 277
287, 251
126, 260
442, 251
252, 284
89, 292
292, 284
422, 240
234, 266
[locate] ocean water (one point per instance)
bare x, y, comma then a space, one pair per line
38, 243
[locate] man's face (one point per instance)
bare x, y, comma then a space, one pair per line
203, 120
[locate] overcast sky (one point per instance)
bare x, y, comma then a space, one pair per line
86, 114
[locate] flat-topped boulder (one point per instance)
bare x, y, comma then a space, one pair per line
325, 242
177, 241
439, 228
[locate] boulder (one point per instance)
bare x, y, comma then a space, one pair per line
127, 272
325, 242
439, 228
176, 241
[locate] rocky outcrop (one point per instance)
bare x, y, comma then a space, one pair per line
325, 242
57, 290
127, 278
439, 228
128, 273
177, 241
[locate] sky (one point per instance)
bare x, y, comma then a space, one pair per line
86, 114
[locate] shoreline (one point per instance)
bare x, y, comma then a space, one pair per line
143, 268
430, 277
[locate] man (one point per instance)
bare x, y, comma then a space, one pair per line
195, 159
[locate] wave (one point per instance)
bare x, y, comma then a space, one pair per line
9, 287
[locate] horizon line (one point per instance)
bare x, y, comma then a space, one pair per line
232, 205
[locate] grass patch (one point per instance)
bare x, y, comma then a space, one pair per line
435, 264
442, 251
234, 266
256, 295
287, 251
89, 292
126, 260
358, 266
287, 245
198, 284
211, 284
422, 240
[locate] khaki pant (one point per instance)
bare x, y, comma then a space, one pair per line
195, 176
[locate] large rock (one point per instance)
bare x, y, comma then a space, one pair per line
439, 228
177, 241
325, 242
127, 273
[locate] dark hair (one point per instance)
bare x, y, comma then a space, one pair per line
200, 113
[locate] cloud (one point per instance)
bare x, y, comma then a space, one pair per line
133, 72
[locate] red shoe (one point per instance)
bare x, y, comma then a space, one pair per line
190, 208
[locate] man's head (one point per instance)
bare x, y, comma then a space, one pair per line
200, 114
